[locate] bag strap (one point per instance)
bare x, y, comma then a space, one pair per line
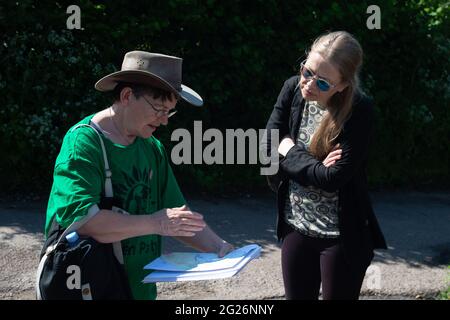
94, 209
109, 193
108, 183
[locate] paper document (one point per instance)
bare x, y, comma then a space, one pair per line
189, 266
195, 261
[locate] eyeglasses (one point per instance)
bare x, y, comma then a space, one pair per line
161, 111
322, 84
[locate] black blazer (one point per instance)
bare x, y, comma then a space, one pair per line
359, 229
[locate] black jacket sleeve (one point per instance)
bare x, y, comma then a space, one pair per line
279, 119
301, 166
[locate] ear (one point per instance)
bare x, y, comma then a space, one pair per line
125, 96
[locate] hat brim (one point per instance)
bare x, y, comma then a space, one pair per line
191, 96
109, 82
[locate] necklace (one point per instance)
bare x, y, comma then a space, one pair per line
127, 142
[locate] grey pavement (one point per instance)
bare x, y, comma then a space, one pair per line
416, 226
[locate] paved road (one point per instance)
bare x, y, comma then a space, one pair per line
416, 225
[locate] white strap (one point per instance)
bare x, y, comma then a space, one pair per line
95, 209
117, 246
108, 183
38, 276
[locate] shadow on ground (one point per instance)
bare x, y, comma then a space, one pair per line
416, 226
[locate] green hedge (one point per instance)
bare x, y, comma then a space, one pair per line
236, 55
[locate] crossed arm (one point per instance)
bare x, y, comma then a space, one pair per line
342, 162
340, 165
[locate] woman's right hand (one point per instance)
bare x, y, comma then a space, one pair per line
177, 222
334, 155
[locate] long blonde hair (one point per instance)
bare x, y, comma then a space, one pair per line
344, 52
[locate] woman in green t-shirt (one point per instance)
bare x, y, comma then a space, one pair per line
146, 91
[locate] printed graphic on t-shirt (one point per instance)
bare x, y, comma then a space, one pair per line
134, 188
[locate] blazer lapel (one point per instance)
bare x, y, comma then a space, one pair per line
298, 104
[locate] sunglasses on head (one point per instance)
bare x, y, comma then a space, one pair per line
322, 84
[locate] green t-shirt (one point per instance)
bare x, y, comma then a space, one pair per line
143, 183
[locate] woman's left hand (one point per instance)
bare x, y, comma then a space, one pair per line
224, 248
333, 156
286, 144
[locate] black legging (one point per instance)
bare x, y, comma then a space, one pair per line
307, 261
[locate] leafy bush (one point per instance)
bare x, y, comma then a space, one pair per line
236, 55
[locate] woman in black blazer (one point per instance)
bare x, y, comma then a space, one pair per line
325, 217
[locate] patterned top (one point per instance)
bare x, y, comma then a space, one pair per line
310, 210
